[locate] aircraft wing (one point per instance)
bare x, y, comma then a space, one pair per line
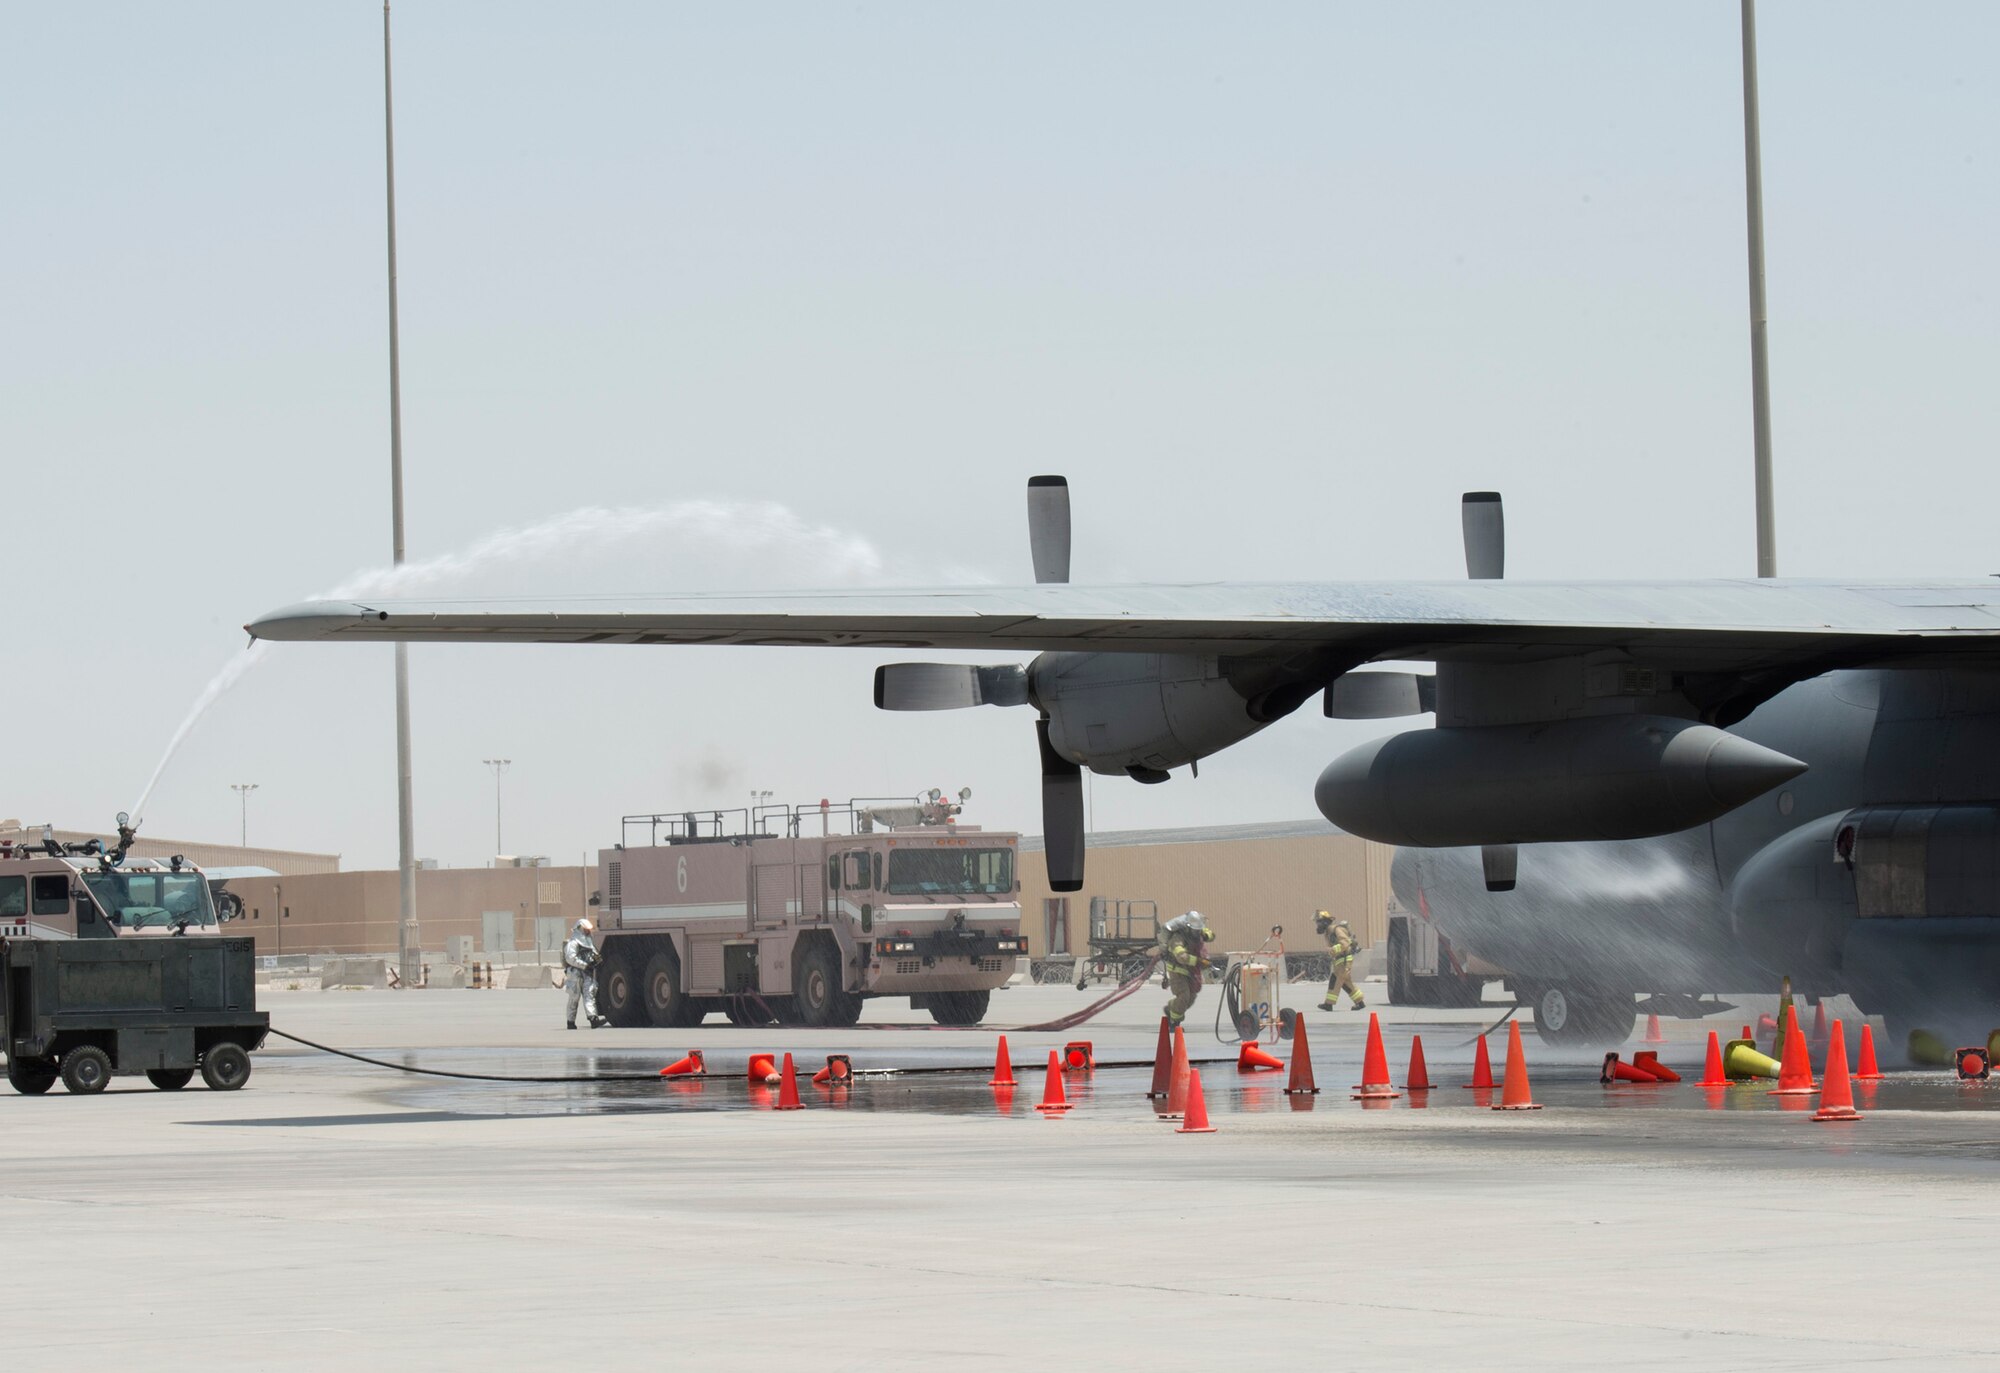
1697, 625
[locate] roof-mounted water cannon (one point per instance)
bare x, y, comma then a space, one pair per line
939, 811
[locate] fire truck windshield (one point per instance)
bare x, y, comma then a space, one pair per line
139, 899
951, 872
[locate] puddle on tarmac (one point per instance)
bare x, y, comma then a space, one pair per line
927, 1091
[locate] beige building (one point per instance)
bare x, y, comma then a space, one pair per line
1243, 878
502, 910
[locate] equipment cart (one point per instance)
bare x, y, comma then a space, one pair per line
85, 1010
1124, 940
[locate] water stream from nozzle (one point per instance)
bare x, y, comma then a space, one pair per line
708, 529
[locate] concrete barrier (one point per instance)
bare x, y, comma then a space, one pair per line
530, 976
354, 972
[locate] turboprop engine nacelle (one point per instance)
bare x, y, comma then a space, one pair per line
1143, 714
1596, 777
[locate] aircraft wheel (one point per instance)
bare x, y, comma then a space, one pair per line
1570, 1015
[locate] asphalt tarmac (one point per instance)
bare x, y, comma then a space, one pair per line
335, 1214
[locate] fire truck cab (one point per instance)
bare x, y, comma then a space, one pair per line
797, 914
55, 890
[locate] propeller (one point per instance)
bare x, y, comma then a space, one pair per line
1484, 524
1485, 529
1048, 527
954, 686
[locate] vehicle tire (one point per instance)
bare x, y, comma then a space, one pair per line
618, 994
226, 1066
1401, 993
86, 1070
660, 995
816, 985
849, 1010
30, 1076
1569, 1015
170, 1079
959, 1008
786, 1009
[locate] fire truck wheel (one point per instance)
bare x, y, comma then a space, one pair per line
86, 1070
849, 1010
959, 1008
30, 1076
225, 1066
618, 995
170, 1079
816, 989
667, 1006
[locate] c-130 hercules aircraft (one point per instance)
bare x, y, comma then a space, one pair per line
1733, 778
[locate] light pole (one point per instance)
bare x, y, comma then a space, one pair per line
499, 765
243, 790
409, 944
1760, 357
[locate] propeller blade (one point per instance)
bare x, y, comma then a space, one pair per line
1048, 527
1062, 814
949, 686
1502, 864
1380, 695
1485, 528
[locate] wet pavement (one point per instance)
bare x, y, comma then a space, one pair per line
336, 1214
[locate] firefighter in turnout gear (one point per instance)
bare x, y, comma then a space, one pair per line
1342, 946
580, 958
1184, 950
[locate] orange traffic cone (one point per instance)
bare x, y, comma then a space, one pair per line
1868, 1071
788, 1088
1648, 1061
1079, 1057
1795, 1068
762, 1068
1653, 1035
1197, 1110
1419, 1078
1003, 1067
1254, 1060
1818, 1040
1514, 1094
689, 1066
1711, 1071
1163, 1064
838, 1072
1053, 1100
1375, 1067
1837, 1101
1301, 1082
1177, 1080
1615, 1071
1482, 1069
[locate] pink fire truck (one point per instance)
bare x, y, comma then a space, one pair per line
799, 913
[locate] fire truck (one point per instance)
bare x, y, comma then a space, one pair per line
51, 889
798, 914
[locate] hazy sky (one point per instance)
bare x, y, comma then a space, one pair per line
1271, 284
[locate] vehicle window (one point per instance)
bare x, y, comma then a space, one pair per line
878, 872
855, 873
833, 872
13, 896
51, 894
138, 899
951, 872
